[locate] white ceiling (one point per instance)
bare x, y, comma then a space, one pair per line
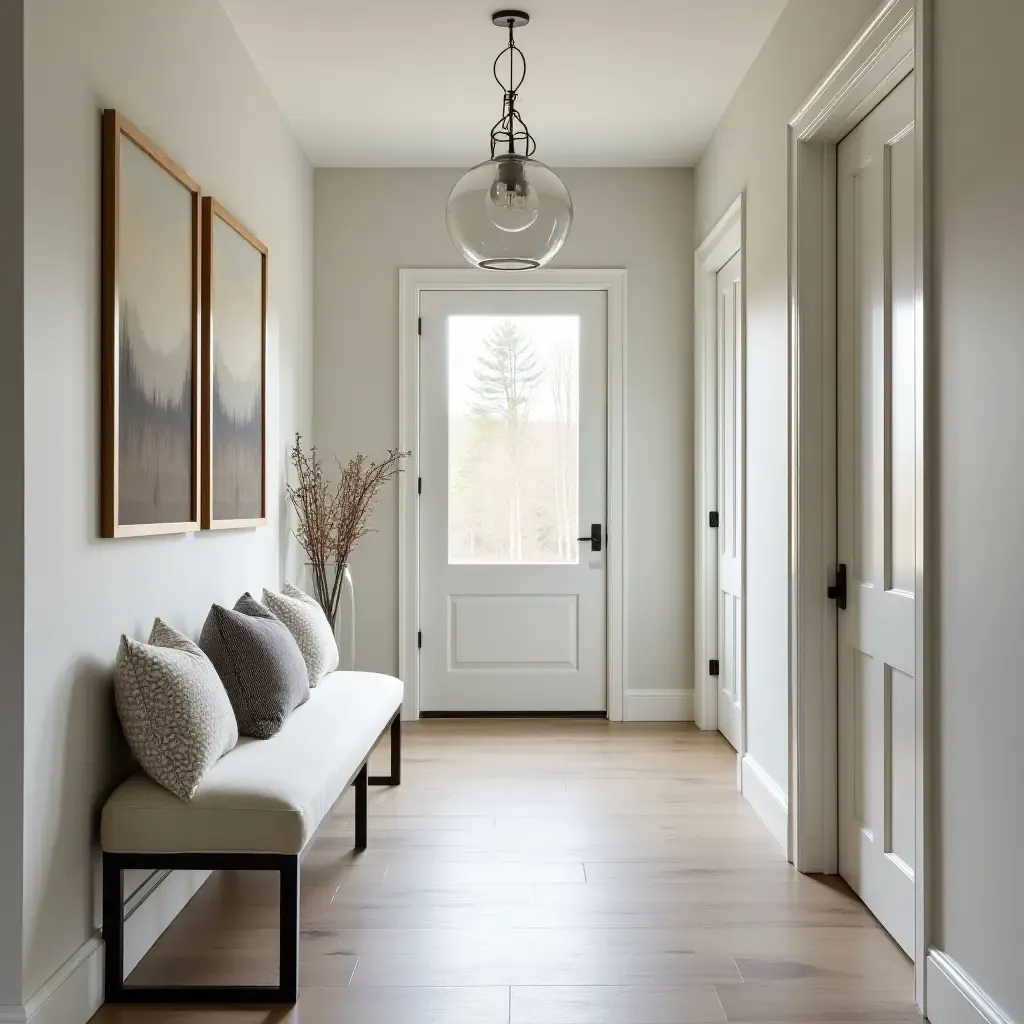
390, 83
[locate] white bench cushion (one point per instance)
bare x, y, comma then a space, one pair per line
265, 796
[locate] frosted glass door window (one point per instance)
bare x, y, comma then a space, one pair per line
513, 439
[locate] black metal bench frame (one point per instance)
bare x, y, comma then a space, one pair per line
287, 865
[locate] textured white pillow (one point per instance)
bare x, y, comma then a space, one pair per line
174, 709
306, 622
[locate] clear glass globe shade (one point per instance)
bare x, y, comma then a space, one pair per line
496, 230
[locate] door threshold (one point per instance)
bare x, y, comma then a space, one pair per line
513, 714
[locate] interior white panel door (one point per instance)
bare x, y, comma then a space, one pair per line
730, 500
876, 507
513, 440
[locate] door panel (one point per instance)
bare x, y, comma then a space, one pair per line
513, 429
511, 631
877, 473
730, 500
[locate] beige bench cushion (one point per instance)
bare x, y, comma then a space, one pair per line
265, 796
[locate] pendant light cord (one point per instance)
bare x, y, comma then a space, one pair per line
511, 72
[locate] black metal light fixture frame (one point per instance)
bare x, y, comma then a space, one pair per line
511, 129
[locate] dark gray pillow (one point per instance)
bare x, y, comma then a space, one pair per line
259, 664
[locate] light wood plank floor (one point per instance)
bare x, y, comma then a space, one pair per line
545, 872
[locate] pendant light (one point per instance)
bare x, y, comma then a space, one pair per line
510, 212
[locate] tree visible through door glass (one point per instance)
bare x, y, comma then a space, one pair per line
513, 439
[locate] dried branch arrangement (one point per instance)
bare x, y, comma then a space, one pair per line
333, 518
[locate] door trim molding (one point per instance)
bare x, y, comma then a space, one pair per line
894, 43
411, 283
724, 240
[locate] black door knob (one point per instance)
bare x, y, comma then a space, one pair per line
594, 537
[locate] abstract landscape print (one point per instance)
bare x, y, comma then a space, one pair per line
234, 322
150, 452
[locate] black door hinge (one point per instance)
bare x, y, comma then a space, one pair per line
419, 325
713, 520
419, 485
419, 639
837, 592
713, 667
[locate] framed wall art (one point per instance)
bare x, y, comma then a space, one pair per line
150, 338
234, 333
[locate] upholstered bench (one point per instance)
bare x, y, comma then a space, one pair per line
256, 809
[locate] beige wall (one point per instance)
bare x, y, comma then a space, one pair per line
748, 153
12, 495
371, 223
177, 69
978, 247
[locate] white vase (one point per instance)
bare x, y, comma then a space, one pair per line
345, 626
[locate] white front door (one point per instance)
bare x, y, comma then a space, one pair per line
513, 435
876, 505
730, 499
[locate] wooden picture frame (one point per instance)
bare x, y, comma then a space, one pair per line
150, 386
233, 275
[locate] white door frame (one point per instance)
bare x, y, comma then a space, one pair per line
722, 243
410, 284
892, 44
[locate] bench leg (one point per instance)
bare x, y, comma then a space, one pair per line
361, 801
116, 991
396, 750
113, 927
288, 971
395, 778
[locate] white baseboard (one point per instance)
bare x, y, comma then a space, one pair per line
74, 992
151, 917
767, 798
658, 706
953, 997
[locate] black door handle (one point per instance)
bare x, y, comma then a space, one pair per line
594, 537
837, 593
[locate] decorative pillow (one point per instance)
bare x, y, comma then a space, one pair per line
259, 663
306, 622
174, 710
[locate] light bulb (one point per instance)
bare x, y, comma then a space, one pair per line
511, 204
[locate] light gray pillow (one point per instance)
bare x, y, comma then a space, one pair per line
174, 710
306, 622
259, 664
